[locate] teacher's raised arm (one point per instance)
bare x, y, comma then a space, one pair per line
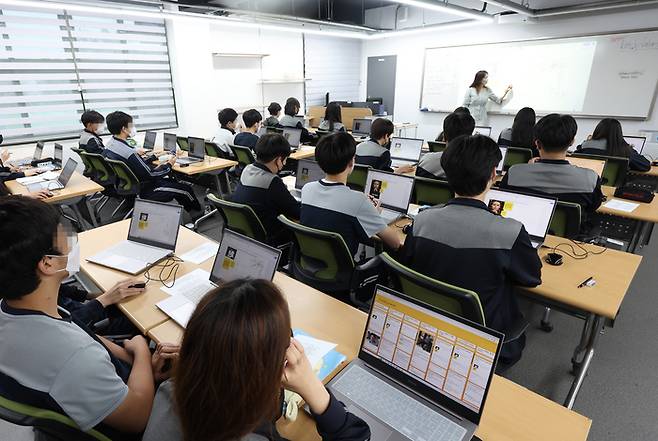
478, 95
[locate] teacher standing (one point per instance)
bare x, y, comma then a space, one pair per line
478, 95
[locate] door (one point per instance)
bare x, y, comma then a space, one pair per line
381, 80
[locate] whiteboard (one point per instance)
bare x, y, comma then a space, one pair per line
605, 75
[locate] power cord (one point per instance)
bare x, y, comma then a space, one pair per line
170, 267
577, 250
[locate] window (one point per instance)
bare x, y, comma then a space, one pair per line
56, 64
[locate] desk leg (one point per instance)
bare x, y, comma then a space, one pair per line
637, 237
591, 332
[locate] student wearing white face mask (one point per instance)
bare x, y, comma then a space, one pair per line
156, 184
47, 358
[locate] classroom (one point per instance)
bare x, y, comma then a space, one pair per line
338, 220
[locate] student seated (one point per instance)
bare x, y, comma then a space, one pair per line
330, 205
49, 359
454, 125
441, 137
291, 109
375, 152
8, 172
89, 140
263, 190
608, 139
332, 121
521, 134
236, 357
252, 121
156, 185
226, 133
552, 174
274, 109
462, 243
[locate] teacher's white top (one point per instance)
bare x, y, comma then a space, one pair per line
477, 103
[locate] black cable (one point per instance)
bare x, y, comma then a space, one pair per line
575, 247
170, 265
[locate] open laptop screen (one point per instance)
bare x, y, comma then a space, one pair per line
241, 257
361, 126
155, 223
637, 142
38, 151
149, 140
481, 130
394, 191
197, 147
442, 352
59, 153
534, 212
407, 149
307, 171
170, 143
67, 172
293, 136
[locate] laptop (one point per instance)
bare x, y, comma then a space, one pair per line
405, 151
169, 142
597, 165
482, 130
38, 151
361, 127
238, 257
56, 184
293, 136
393, 191
534, 212
307, 171
149, 140
421, 373
197, 151
637, 142
499, 167
152, 236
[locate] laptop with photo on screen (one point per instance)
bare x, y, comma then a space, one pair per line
534, 212
393, 191
238, 257
293, 136
361, 127
482, 130
596, 165
405, 151
307, 171
637, 142
170, 143
501, 164
152, 236
149, 140
55, 184
197, 151
421, 373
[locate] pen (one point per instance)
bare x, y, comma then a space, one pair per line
585, 282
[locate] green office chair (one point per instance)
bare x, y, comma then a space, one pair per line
48, 425
214, 151
431, 191
89, 170
127, 186
322, 260
436, 146
615, 170
566, 220
358, 178
243, 155
183, 143
516, 155
240, 218
102, 175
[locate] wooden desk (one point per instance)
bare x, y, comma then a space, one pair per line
303, 152
209, 165
644, 213
77, 187
140, 310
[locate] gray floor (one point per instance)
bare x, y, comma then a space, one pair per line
620, 392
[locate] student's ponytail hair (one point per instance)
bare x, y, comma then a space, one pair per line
610, 130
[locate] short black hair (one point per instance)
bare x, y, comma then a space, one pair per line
274, 108
117, 121
461, 109
292, 106
457, 124
251, 117
468, 163
381, 127
226, 116
271, 146
556, 132
91, 117
28, 228
334, 152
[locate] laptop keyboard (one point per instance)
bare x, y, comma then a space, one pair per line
143, 253
404, 414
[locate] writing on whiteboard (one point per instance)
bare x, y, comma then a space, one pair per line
636, 43
630, 75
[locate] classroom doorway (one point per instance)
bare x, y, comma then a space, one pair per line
381, 80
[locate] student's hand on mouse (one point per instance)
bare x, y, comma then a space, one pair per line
31, 171
162, 360
172, 160
136, 345
41, 194
404, 169
120, 291
298, 376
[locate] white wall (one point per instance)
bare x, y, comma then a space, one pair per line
410, 54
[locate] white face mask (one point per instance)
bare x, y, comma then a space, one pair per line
73, 260
133, 132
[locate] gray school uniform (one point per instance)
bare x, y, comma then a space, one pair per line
288, 121
324, 125
373, 154
430, 166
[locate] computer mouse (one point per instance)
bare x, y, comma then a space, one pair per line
407, 228
554, 259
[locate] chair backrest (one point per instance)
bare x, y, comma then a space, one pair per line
89, 170
103, 173
46, 421
214, 151
436, 146
240, 218
278, 130
566, 220
243, 154
459, 301
322, 255
357, 179
615, 170
183, 143
431, 191
516, 155
127, 183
